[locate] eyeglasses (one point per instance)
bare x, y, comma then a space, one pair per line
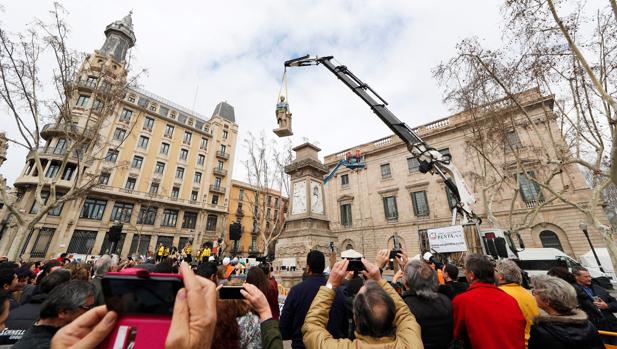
87, 307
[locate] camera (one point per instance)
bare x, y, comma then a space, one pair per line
355, 264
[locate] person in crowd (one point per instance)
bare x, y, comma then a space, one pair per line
486, 317
562, 326
596, 302
209, 271
24, 280
433, 310
62, 258
509, 279
273, 290
452, 287
382, 318
270, 335
229, 268
6, 336
206, 252
65, 303
187, 252
25, 315
166, 266
36, 268
160, 252
562, 273
80, 272
10, 284
299, 300
430, 260
101, 267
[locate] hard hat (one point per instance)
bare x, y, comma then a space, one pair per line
427, 256
226, 260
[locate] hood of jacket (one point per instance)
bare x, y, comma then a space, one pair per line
570, 328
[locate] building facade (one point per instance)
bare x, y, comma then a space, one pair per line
165, 174
264, 211
390, 197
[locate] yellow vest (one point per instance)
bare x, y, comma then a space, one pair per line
188, 250
526, 301
161, 250
206, 252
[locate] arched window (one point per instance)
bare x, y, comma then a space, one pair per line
550, 240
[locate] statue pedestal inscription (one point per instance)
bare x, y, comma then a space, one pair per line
307, 226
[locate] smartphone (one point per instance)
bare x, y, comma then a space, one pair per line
144, 303
230, 292
394, 254
355, 264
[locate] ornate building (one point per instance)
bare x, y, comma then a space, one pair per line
390, 196
165, 174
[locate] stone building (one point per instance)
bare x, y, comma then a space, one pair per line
390, 196
265, 211
166, 174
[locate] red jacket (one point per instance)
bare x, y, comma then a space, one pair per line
488, 318
273, 298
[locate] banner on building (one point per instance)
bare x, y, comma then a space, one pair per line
447, 239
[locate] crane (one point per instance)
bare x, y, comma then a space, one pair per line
429, 158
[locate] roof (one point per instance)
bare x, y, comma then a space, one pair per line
225, 110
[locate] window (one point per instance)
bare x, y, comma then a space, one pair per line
425, 246
91, 81
170, 217
269, 200
60, 147
175, 191
182, 118
413, 165
143, 102
389, 207
143, 142
530, 190
93, 209
126, 115
121, 212
223, 148
137, 161
148, 123
82, 101
253, 242
179, 172
104, 178
225, 134
130, 183
200, 159
154, 188
98, 105
106, 247
147, 215
345, 180
54, 211
241, 195
112, 155
190, 220
187, 137
215, 199
184, 154
119, 134
164, 148
512, 140
220, 165
169, 131
346, 215
197, 177
450, 198
42, 242
159, 168
140, 244
276, 202
82, 242
211, 222
52, 170
420, 203
217, 182
550, 240
385, 171
204, 144
194, 195
68, 172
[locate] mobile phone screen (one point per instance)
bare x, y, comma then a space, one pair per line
130, 295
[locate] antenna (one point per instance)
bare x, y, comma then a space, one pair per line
195, 98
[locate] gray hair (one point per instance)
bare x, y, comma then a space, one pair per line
421, 279
102, 265
68, 296
559, 294
510, 271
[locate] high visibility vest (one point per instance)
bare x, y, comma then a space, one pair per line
161, 250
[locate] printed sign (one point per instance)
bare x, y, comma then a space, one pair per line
447, 239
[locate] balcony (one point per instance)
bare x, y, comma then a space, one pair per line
64, 130
222, 155
217, 189
56, 154
534, 203
220, 171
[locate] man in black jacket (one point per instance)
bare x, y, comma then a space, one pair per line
596, 302
299, 301
452, 287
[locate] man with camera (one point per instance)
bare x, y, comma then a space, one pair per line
381, 316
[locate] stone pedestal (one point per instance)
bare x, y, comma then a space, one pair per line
307, 226
284, 120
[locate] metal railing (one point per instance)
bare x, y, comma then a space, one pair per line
220, 171
217, 189
222, 155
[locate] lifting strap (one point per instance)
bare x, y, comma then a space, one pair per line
283, 83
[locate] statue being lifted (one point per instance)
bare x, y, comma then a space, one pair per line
283, 118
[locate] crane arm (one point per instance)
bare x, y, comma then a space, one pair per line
430, 159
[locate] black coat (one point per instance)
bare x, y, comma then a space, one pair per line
24, 316
564, 332
601, 319
452, 288
434, 317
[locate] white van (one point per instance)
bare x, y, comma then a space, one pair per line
537, 261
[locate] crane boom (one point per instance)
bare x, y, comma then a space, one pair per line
429, 158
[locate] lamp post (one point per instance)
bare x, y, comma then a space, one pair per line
583, 227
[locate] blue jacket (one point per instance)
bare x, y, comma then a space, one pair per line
297, 304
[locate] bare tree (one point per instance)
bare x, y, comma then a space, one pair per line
266, 174
554, 62
32, 100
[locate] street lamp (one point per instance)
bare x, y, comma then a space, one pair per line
583, 227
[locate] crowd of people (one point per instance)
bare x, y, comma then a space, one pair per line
60, 303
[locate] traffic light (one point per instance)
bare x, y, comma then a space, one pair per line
235, 231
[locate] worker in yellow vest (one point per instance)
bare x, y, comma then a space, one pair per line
187, 252
160, 252
166, 254
205, 254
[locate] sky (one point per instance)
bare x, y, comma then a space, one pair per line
198, 53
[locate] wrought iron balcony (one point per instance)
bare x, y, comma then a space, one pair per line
217, 189
222, 155
220, 171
